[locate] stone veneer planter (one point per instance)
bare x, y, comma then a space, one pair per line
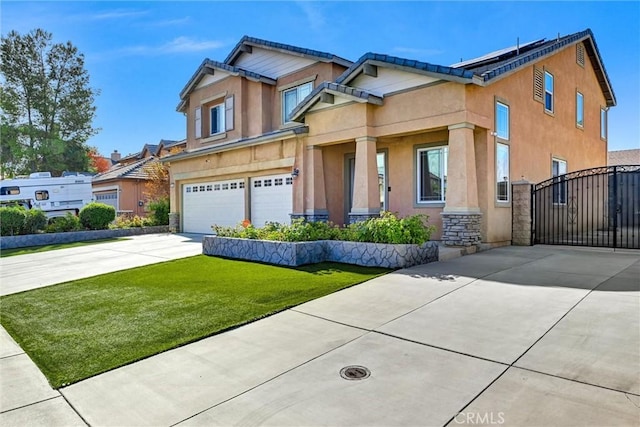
300, 253
13, 242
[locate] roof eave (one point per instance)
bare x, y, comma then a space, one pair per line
304, 108
232, 145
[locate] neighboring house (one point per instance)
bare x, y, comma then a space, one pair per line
123, 185
277, 132
624, 157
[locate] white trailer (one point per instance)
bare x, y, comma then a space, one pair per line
55, 196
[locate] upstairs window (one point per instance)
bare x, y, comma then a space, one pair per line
431, 174
217, 119
603, 123
197, 122
579, 110
502, 120
292, 97
548, 92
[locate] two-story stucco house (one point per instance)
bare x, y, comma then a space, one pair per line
276, 131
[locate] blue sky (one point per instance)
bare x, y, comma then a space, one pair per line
141, 54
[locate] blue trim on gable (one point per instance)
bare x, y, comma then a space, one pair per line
409, 63
282, 46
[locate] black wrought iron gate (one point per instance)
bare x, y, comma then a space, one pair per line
591, 207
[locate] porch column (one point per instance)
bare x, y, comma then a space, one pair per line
366, 192
461, 215
315, 198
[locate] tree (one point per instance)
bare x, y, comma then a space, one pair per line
97, 163
47, 105
157, 186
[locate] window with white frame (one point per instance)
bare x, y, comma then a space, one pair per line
558, 171
502, 120
548, 92
292, 97
579, 110
502, 172
217, 119
431, 174
197, 122
603, 123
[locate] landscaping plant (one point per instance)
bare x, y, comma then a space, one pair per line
387, 228
16, 220
97, 216
64, 224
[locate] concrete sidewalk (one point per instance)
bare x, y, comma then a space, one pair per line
515, 336
25, 272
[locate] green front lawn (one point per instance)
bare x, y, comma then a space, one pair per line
79, 329
44, 248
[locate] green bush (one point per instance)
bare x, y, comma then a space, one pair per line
97, 216
388, 228
35, 220
12, 219
136, 221
63, 224
160, 211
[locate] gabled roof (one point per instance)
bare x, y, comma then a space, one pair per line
208, 67
151, 148
357, 95
440, 71
489, 68
247, 42
133, 170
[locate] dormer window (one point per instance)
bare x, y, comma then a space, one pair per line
217, 119
292, 97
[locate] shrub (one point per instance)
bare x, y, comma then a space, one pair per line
97, 216
160, 209
136, 221
12, 220
388, 228
63, 224
34, 221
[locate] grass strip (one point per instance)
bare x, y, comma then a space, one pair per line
45, 248
78, 329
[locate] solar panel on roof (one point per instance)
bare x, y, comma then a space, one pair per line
495, 54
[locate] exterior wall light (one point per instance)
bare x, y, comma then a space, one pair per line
295, 172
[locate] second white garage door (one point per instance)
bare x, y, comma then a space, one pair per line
271, 199
209, 203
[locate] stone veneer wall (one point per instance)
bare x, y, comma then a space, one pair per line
13, 242
521, 213
300, 253
174, 222
272, 252
461, 229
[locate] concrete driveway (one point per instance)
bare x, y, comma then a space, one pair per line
24, 272
538, 336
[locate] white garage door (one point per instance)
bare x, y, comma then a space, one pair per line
207, 203
271, 199
108, 198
